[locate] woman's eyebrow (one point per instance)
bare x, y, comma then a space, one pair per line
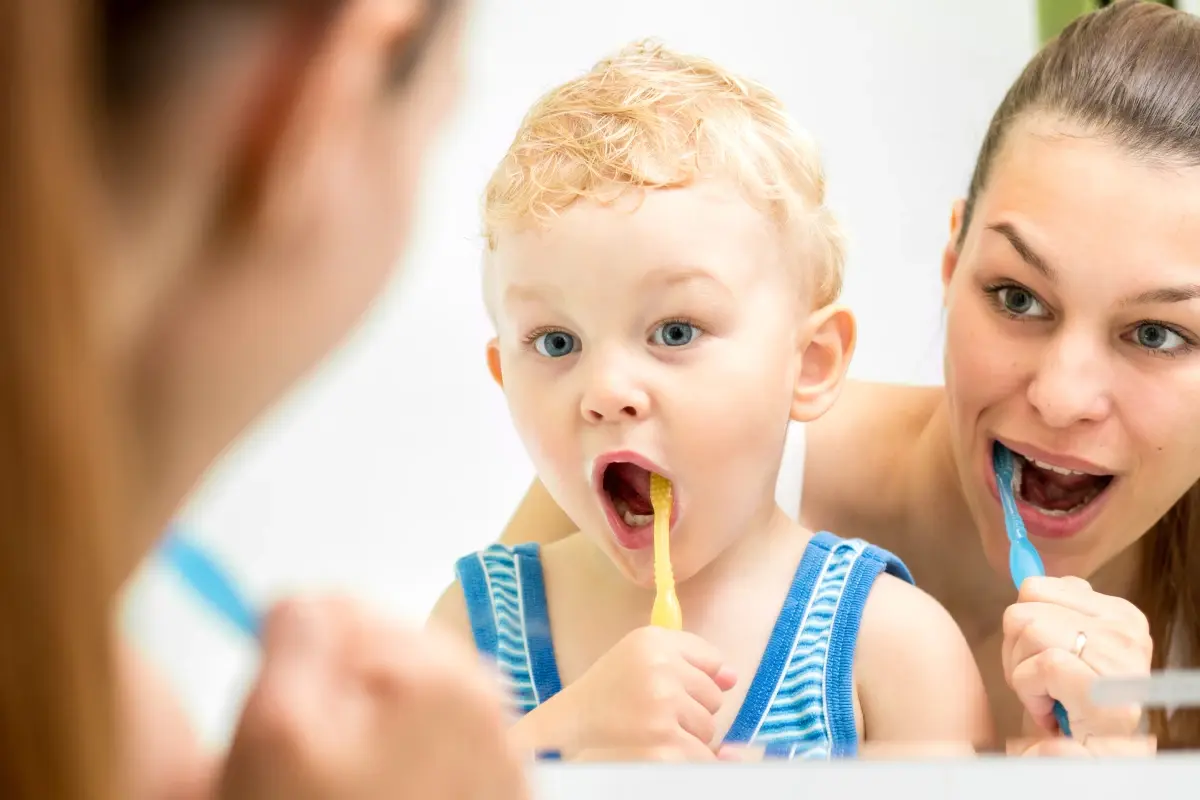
1023, 248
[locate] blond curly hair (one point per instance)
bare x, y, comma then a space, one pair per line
650, 118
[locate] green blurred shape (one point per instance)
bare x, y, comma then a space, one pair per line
1054, 15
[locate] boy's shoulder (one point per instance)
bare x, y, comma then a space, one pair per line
451, 611
914, 671
896, 614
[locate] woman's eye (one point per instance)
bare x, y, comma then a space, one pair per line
1154, 336
675, 334
1019, 302
555, 344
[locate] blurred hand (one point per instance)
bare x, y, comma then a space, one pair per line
348, 706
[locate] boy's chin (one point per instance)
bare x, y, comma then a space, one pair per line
637, 567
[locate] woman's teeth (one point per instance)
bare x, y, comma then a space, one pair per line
631, 519
1018, 485
1052, 468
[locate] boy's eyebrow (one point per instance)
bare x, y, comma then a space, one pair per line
671, 276
531, 293
655, 278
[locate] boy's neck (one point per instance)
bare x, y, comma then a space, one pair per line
770, 542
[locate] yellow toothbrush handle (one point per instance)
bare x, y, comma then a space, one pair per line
666, 612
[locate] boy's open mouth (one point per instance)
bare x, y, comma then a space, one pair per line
1053, 490
627, 487
622, 480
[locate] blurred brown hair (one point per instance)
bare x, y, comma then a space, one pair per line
72, 74
57, 586
1130, 74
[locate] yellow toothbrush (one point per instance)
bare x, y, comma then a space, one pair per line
666, 612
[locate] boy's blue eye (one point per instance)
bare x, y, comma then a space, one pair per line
555, 344
675, 334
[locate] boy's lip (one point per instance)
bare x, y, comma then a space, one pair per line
606, 460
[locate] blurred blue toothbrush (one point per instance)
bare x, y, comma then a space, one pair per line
211, 583
1023, 559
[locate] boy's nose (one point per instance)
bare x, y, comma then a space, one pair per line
613, 398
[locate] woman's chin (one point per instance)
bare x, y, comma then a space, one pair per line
995, 552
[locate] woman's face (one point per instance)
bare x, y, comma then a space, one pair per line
1073, 316
219, 305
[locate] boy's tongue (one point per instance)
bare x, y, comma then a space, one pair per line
631, 484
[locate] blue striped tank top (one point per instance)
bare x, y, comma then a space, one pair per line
800, 703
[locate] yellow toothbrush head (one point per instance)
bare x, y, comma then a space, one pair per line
666, 612
660, 496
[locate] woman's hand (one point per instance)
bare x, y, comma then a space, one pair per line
1059, 637
348, 706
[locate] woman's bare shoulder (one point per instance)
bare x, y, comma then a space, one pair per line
853, 450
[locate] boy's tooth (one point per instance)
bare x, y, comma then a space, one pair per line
636, 520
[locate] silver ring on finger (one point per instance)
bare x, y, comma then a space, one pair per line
1080, 643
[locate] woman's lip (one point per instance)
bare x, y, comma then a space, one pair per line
1057, 459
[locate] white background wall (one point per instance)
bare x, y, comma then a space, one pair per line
399, 456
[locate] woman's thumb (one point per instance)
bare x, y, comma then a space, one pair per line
298, 647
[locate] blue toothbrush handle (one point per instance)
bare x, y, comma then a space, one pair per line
211, 583
1060, 714
1023, 558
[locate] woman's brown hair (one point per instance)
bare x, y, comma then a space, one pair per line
57, 515
1130, 73
72, 74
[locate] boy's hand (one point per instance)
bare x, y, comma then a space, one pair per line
651, 697
350, 707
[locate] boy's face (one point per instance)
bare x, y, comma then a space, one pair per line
666, 336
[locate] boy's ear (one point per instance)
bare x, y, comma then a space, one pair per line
493, 359
824, 356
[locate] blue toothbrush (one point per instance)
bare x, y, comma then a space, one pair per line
211, 583
1023, 559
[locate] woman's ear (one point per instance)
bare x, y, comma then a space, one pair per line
322, 81
493, 360
824, 357
951, 251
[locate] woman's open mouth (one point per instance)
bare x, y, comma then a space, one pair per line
623, 483
1053, 490
1056, 500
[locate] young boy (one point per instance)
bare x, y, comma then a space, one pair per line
662, 274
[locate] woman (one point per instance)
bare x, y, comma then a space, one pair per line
200, 198
1072, 293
